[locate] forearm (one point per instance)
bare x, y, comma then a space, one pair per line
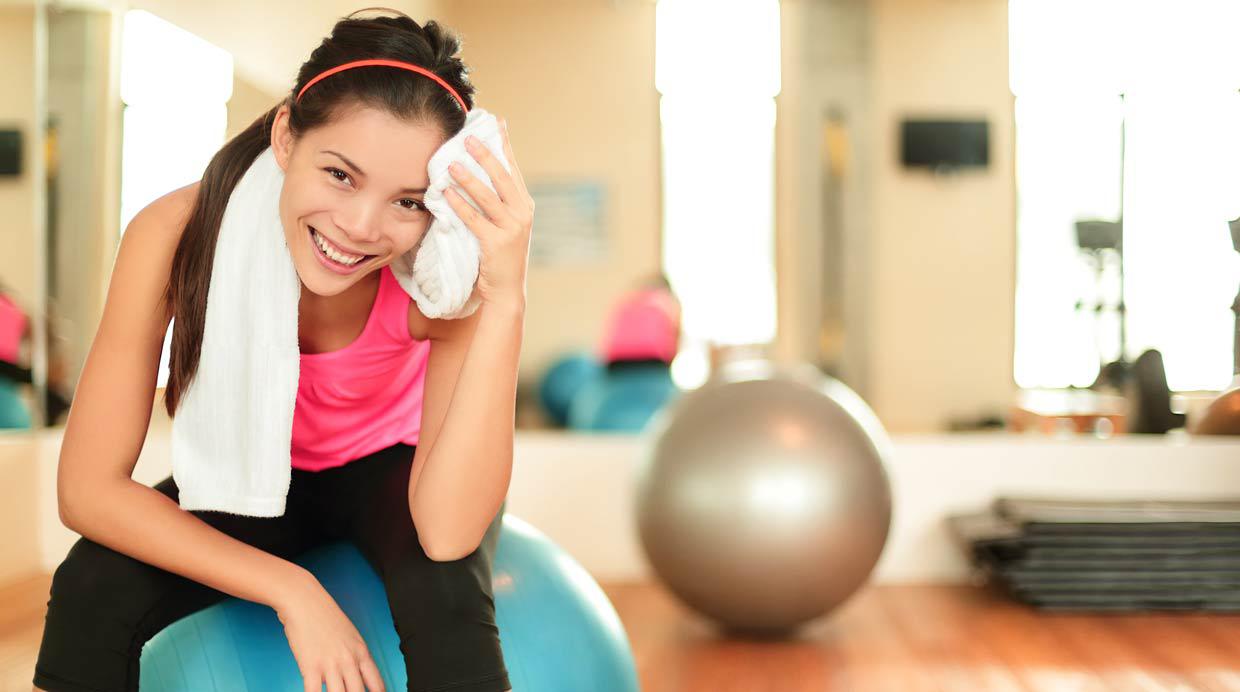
145, 524
467, 472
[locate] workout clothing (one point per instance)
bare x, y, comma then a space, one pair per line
105, 605
643, 324
365, 396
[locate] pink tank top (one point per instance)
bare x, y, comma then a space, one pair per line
643, 324
366, 396
12, 326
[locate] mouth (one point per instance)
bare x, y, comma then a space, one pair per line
338, 261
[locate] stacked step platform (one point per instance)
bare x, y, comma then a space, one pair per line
1107, 555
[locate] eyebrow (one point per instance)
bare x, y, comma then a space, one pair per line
354, 166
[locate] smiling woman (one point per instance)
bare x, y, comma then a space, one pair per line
373, 401
342, 224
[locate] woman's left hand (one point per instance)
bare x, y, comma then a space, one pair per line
503, 232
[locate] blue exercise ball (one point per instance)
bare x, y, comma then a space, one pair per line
13, 411
558, 630
623, 400
566, 377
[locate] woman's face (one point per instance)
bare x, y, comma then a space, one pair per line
357, 186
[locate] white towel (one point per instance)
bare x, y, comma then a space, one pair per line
441, 273
232, 432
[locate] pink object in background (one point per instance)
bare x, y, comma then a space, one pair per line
644, 324
12, 326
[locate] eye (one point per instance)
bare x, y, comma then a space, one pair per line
333, 171
418, 206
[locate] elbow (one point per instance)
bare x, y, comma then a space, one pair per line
439, 548
65, 521
448, 556
77, 501
440, 552
68, 508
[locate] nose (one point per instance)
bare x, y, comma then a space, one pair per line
361, 223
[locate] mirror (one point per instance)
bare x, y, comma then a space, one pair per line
874, 231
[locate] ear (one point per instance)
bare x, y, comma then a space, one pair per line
282, 138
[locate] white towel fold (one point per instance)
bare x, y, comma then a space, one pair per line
232, 432
441, 273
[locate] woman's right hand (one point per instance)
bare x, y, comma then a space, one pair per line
326, 644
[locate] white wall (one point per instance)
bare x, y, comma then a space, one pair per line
579, 489
943, 273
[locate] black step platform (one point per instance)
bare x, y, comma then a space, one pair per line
1109, 555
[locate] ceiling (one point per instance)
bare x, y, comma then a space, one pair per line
268, 40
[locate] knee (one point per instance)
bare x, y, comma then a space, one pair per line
89, 570
97, 575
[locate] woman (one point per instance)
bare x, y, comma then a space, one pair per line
388, 400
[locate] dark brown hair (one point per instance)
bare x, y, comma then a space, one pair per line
405, 95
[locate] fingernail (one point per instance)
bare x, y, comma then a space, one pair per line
471, 141
455, 167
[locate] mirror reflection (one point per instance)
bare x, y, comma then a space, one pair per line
728, 312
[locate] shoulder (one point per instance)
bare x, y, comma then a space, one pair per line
169, 212
459, 331
180, 201
419, 324
138, 287
423, 328
159, 225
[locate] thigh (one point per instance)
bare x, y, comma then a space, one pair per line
105, 605
444, 612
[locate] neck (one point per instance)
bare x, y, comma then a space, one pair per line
355, 298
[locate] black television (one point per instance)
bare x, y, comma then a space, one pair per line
944, 144
10, 152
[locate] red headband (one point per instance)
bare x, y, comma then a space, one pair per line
386, 63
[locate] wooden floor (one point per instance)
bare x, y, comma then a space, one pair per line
900, 638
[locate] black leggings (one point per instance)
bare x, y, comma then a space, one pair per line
105, 605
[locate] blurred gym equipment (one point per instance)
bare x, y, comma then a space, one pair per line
764, 502
1223, 415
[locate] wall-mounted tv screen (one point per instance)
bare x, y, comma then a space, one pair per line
944, 143
10, 152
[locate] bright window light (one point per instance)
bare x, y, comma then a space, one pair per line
175, 88
719, 48
718, 133
1178, 77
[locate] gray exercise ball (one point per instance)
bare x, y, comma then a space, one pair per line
762, 499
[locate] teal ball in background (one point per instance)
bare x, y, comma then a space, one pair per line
566, 377
623, 400
13, 411
558, 630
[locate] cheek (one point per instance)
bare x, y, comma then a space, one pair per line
408, 237
303, 194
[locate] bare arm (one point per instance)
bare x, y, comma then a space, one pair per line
107, 426
463, 462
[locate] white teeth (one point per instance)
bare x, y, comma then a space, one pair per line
330, 252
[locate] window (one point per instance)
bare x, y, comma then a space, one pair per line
718, 122
175, 89
1097, 83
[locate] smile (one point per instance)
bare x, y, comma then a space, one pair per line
332, 256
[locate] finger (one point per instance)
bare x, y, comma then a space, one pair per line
473, 219
352, 677
334, 681
370, 673
483, 195
512, 158
312, 682
500, 177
